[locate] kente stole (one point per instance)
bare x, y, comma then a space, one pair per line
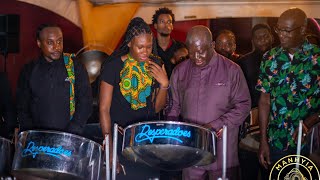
68, 62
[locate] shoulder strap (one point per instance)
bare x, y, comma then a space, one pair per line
68, 62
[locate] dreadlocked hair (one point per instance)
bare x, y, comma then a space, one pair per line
136, 27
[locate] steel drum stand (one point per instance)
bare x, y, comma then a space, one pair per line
224, 154
299, 140
106, 148
300, 137
114, 153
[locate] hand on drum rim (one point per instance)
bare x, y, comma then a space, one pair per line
120, 130
218, 132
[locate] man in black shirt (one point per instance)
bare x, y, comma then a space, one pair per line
162, 21
53, 92
262, 40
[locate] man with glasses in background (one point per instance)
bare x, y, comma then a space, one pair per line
289, 84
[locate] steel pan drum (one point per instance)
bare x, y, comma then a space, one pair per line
6, 155
169, 145
56, 155
251, 141
92, 60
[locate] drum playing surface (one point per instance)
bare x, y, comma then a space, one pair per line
169, 145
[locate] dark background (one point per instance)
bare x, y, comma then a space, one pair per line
19, 28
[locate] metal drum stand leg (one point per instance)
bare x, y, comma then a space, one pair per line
114, 153
107, 143
299, 141
224, 154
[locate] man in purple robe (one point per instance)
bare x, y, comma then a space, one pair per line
210, 90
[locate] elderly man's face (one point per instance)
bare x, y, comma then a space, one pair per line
290, 32
200, 52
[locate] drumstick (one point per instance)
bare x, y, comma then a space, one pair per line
299, 141
106, 139
114, 153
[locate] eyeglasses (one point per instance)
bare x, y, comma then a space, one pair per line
182, 58
284, 31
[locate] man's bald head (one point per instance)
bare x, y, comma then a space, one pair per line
295, 14
200, 46
291, 28
199, 33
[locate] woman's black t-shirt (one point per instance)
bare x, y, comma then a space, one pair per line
120, 110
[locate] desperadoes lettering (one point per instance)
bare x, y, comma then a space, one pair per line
150, 134
33, 150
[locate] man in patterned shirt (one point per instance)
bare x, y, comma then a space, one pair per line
289, 82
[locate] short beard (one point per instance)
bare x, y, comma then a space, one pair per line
164, 34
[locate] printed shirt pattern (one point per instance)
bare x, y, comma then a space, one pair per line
293, 85
135, 84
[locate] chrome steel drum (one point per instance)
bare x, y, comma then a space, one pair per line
6, 156
92, 60
56, 155
251, 141
169, 145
